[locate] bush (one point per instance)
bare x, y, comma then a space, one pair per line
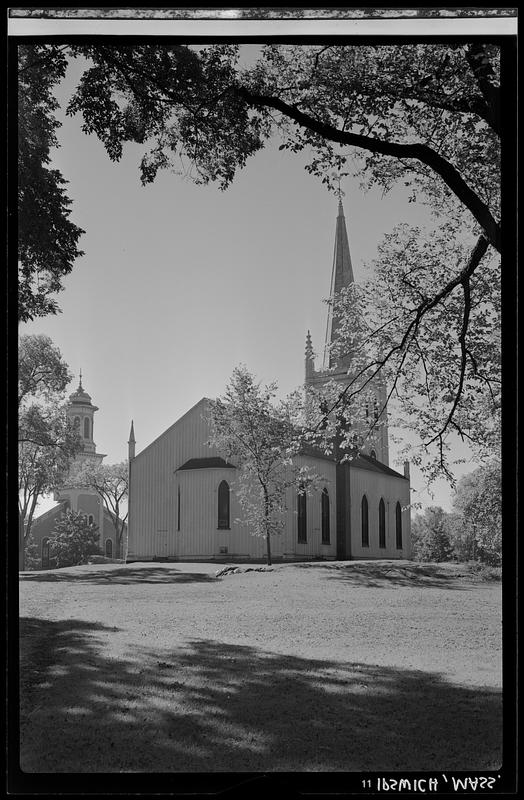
32, 557
73, 540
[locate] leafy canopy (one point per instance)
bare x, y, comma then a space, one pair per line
47, 239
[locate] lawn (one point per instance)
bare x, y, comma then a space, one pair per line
343, 666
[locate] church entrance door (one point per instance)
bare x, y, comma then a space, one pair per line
161, 543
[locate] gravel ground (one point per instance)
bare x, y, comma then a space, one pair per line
325, 666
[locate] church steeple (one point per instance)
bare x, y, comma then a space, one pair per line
81, 412
341, 278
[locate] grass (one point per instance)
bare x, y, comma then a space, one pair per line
357, 666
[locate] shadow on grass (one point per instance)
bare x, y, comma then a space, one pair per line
208, 706
382, 574
123, 575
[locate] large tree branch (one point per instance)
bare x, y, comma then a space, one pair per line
418, 151
481, 68
410, 333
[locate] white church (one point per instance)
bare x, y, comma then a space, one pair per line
182, 503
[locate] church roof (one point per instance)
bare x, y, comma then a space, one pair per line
207, 463
366, 462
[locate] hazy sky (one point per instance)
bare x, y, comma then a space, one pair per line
181, 283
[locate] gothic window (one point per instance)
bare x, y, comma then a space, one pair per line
373, 454
365, 522
76, 422
375, 409
45, 553
381, 524
324, 410
398, 525
325, 516
302, 517
86, 428
109, 548
223, 506
90, 519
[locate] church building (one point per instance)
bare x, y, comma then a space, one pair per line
85, 500
182, 502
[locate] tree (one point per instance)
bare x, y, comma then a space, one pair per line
73, 540
262, 437
477, 505
42, 372
430, 536
47, 441
427, 110
44, 457
440, 361
111, 481
47, 239
425, 116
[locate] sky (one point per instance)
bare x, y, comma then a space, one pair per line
181, 283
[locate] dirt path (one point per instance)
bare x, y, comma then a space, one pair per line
333, 667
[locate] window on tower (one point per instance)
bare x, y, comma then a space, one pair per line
86, 428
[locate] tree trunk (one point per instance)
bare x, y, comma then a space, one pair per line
268, 542
266, 520
21, 543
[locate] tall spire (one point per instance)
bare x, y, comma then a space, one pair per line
80, 380
341, 277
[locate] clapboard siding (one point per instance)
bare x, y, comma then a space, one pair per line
156, 479
313, 547
376, 486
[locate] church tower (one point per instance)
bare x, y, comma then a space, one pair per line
339, 368
81, 412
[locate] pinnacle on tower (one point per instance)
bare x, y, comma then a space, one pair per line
131, 442
310, 365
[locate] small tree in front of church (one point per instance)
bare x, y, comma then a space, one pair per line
73, 540
111, 482
262, 436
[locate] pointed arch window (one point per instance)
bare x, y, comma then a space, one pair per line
365, 521
76, 422
109, 548
223, 506
86, 428
381, 524
398, 526
302, 517
325, 517
91, 519
45, 553
373, 455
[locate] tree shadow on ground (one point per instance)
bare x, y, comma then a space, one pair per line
123, 575
208, 706
383, 574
